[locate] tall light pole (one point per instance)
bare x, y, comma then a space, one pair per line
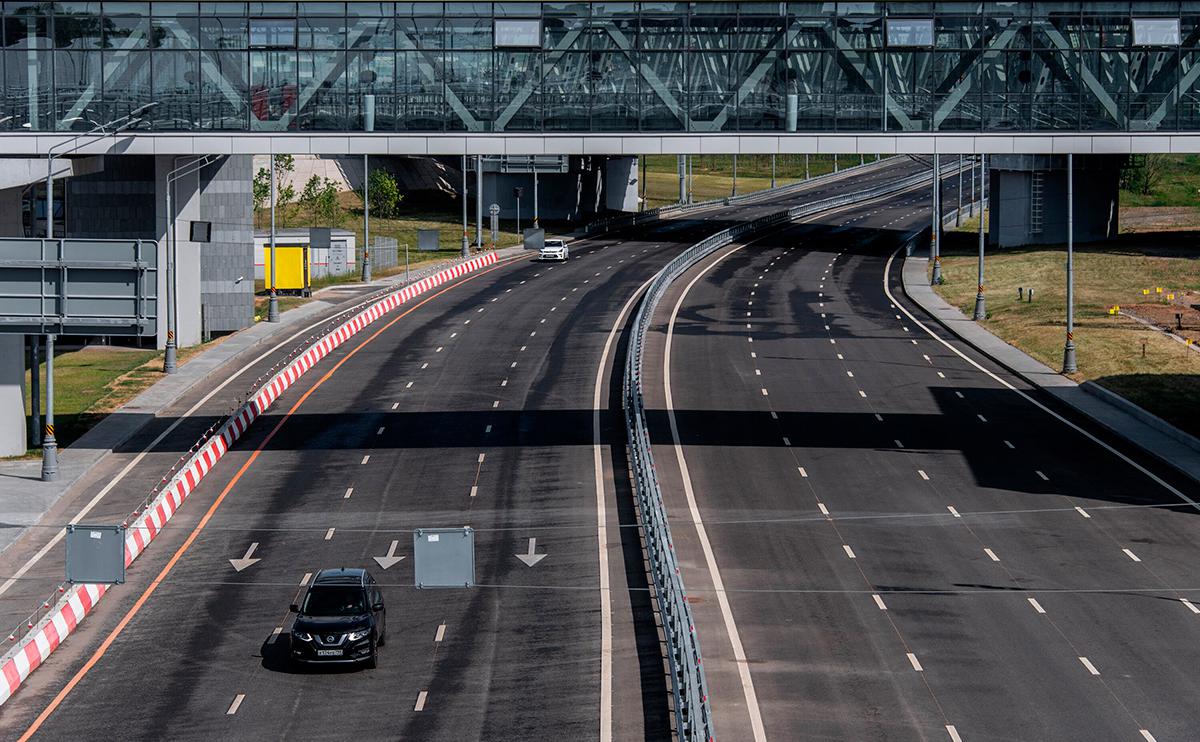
366, 266
49, 442
466, 244
958, 193
535, 196
170, 354
980, 302
1069, 365
735, 159
936, 239
273, 300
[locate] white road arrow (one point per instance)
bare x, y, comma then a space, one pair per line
530, 558
391, 559
246, 561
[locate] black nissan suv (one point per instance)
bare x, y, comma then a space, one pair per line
340, 619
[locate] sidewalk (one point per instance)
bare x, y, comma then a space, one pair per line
24, 498
1118, 416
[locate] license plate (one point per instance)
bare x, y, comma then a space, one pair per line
329, 653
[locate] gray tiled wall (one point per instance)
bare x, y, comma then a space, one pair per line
228, 303
117, 202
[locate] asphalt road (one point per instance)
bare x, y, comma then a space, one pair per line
473, 407
908, 549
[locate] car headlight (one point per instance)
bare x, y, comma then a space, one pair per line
356, 635
303, 636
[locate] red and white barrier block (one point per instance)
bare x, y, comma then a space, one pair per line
78, 600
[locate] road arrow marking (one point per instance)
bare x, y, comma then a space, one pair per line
391, 559
530, 558
246, 561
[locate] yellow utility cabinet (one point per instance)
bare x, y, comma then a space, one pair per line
291, 274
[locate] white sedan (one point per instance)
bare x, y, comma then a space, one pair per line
554, 250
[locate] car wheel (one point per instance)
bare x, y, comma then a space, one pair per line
373, 658
382, 639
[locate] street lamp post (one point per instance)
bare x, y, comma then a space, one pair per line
466, 244
980, 301
1069, 364
273, 297
935, 242
366, 266
49, 442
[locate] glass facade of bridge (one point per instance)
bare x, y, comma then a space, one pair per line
603, 67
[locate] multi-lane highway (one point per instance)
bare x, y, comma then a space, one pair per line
487, 403
884, 535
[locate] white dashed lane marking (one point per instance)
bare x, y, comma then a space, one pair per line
423, 694
237, 702
1088, 664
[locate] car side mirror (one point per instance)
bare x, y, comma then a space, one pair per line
377, 607
294, 608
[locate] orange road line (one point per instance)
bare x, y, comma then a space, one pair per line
137, 606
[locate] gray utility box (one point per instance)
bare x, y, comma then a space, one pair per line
96, 554
444, 557
428, 240
534, 238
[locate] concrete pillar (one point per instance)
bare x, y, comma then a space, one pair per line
1027, 196
12, 395
187, 209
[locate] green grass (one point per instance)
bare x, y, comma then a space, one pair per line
1178, 186
1165, 381
712, 175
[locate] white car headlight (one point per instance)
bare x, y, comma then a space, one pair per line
303, 636
356, 635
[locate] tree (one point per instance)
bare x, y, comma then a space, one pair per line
385, 194
319, 199
1143, 174
284, 193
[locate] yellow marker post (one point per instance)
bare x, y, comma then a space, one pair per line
1145, 292
1158, 289
1170, 297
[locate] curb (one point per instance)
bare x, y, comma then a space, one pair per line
79, 600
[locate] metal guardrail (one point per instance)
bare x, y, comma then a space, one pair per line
693, 715
630, 220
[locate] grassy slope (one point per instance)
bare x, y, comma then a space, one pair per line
1164, 381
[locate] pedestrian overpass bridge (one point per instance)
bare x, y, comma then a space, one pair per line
603, 78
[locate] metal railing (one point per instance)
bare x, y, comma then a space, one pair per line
693, 715
630, 220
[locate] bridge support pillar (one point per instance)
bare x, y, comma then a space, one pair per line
1028, 198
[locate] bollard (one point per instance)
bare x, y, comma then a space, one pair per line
1179, 320
1030, 294
1020, 293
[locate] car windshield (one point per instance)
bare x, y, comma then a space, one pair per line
334, 601
553, 243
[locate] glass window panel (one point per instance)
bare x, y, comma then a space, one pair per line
614, 85
663, 32
566, 93
223, 33
321, 101
910, 32
323, 9
272, 33
1104, 109
371, 33
764, 106
861, 33
419, 33
565, 33
811, 34
1156, 32
370, 10
274, 91
806, 82
959, 32
518, 79
176, 33
478, 10
713, 32
126, 31
468, 33
759, 32
664, 105
77, 90
177, 90
420, 96
224, 90
709, 82
223, 9
175, 9
518, 33
322, 33
78, 31
1104, 32
517, 9
273, 8
126, 82
468, 76
372, 73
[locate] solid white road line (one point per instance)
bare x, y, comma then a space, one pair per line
606, 638
1131, 555
735, 640
879, 602
424, 694
1036, 605
237, 702
991, 555
1088, 664
1151, 475
916, 664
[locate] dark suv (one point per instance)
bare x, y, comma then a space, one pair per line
340, 619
